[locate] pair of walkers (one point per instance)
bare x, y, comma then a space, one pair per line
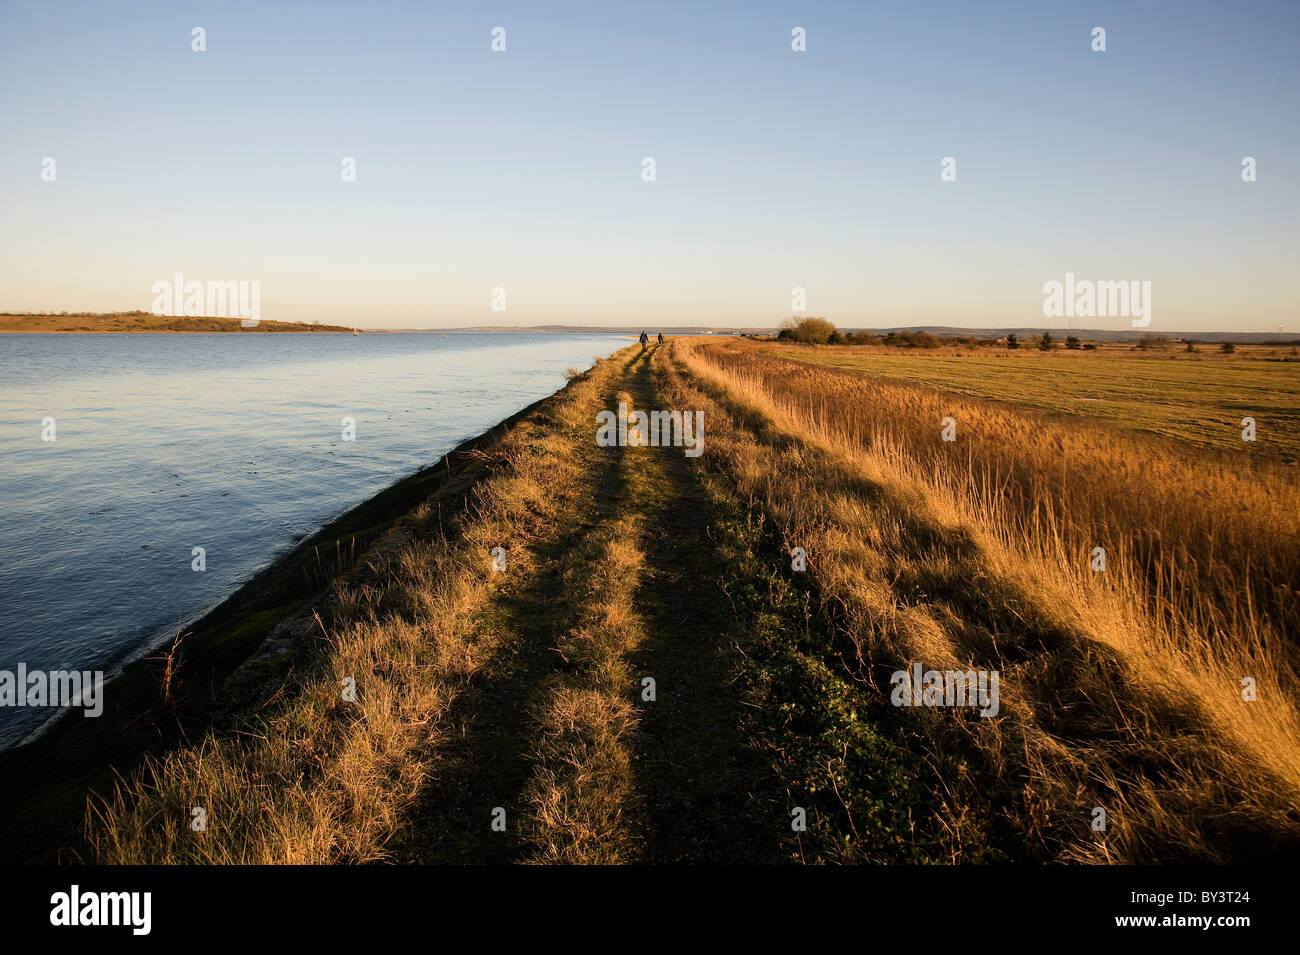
645, 339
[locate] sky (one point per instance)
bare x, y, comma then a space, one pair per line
775, 169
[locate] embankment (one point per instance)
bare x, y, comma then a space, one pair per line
567, 650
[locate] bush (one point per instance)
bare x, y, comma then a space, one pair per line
1227, 348
922, 340
1089, 347
911, 339
837, 338
1046, 344
813, 331
1013, 341
863, 338
1072, 342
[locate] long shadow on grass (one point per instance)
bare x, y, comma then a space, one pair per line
700, 778
487, 761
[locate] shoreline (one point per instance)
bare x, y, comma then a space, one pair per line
227, 654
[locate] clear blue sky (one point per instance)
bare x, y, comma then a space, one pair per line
775, 169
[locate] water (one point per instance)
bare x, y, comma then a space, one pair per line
228, 442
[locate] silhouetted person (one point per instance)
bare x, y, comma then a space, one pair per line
645, 340
661, 338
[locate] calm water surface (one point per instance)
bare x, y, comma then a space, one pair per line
228, 442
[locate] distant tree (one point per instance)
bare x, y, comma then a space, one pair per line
923, 340
837, 338
1012, 340
1227, 348
1191, 347
894, 340
812, 330
1046, 344
1072, 342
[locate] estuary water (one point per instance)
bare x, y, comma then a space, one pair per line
230, 442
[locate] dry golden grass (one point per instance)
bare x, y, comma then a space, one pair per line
582, 787
318, 779
1120, 690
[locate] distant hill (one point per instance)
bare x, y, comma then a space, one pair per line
1024, 333
145, 322
148, 322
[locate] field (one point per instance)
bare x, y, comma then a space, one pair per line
628, 654
1197, 398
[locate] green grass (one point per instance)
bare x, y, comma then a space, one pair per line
1199, 399
867, 781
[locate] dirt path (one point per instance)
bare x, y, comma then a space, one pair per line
557, 731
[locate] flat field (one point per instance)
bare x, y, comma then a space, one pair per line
1198, 398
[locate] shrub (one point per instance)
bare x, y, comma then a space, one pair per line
813, 331
1013, 341
1047, 343
1227, 348
922, 340
1072, 342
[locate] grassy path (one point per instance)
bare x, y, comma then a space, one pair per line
487, 762
557, 731
699, 776
665, 574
